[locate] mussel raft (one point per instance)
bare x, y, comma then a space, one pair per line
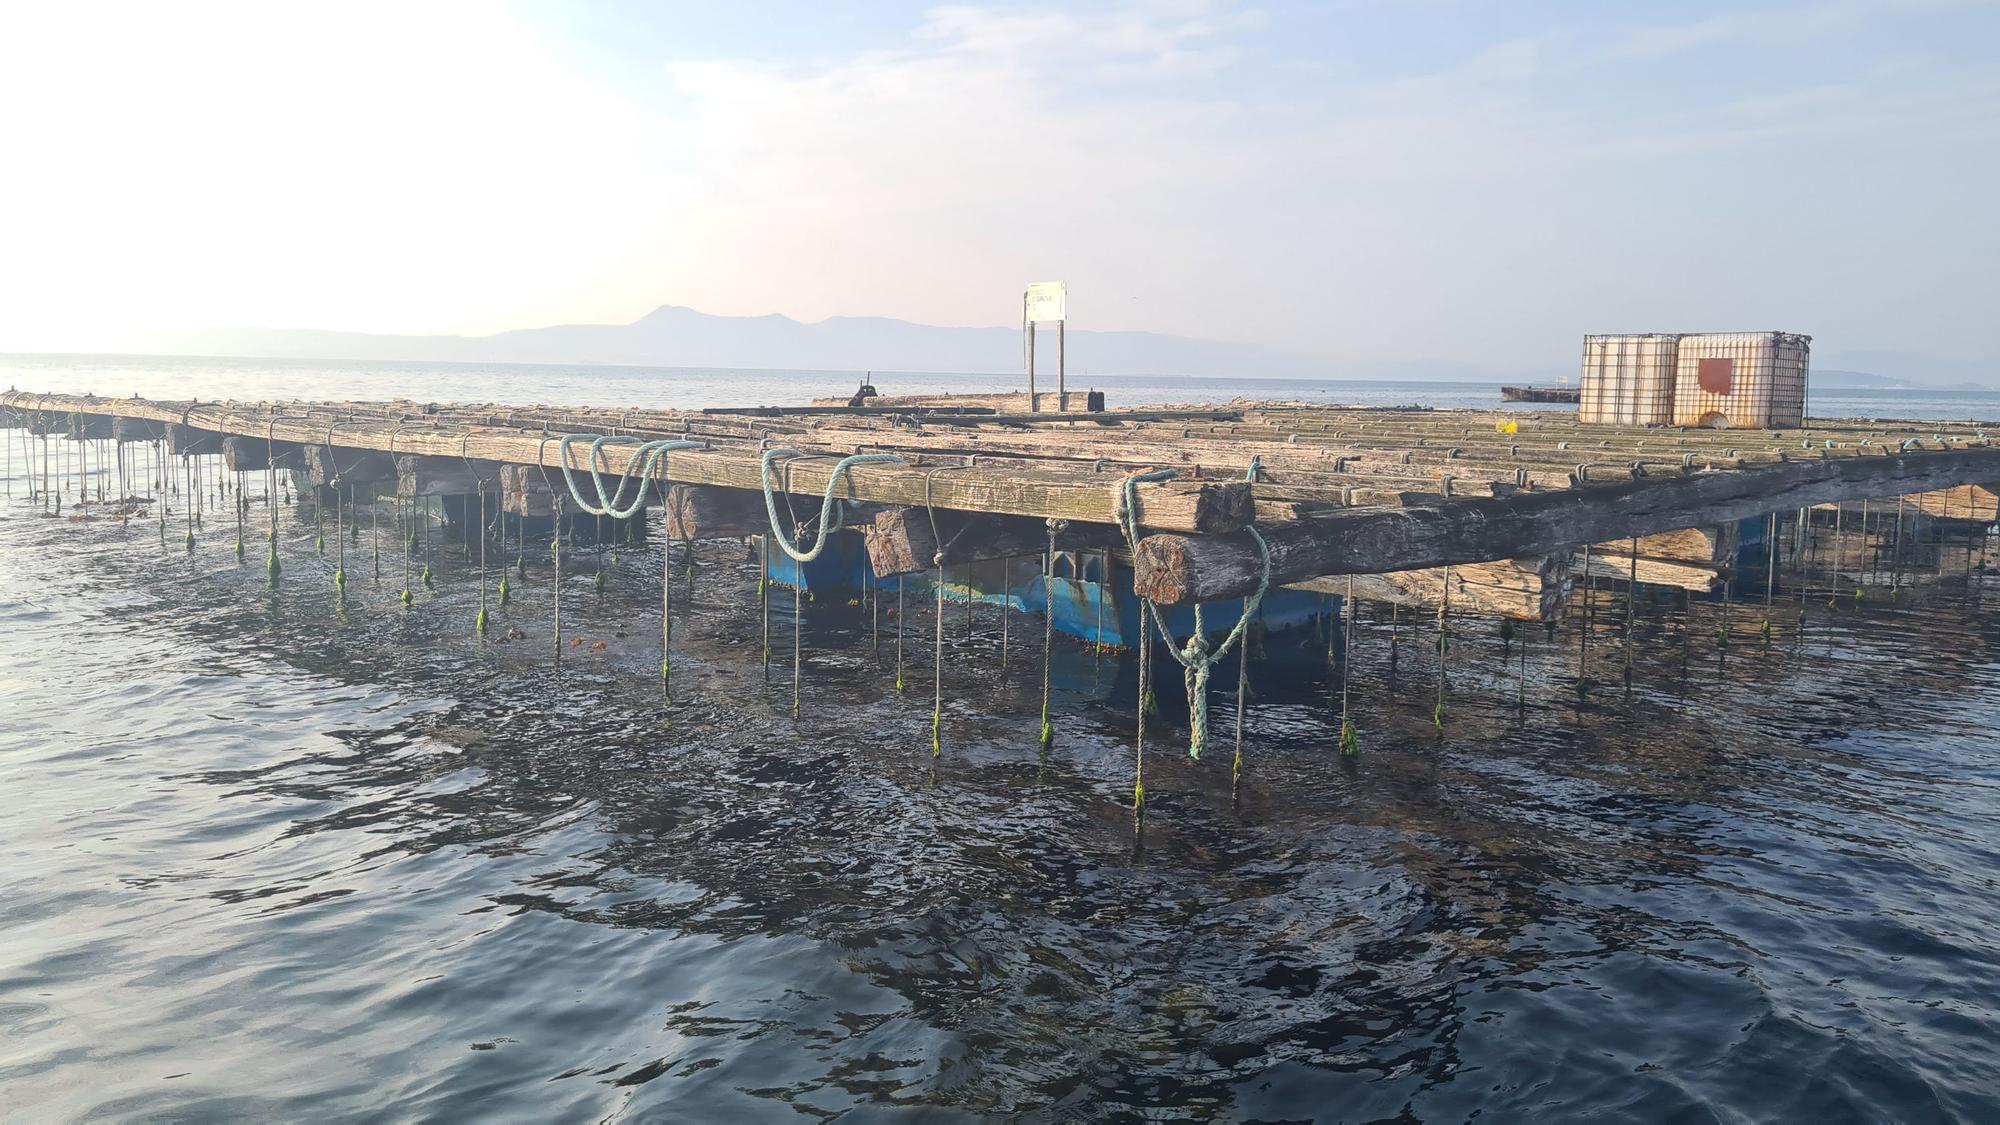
1111, 525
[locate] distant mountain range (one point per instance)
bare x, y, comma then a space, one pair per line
674, 336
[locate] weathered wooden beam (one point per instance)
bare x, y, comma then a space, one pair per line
328, 465
1176, 568
1618, 566
192, 441
904, 540
1979, 501
1701, 545
136, 429
1528, 589
701, 512
254, 455
524, 491
445, 476
93, 427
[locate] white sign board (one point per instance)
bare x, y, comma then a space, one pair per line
1048, 300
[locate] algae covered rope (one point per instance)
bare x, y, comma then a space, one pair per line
899, 634
1195, 658
1139, 744
1055, 526
479, 623
1006, 595
340, 532
555, 555
764, 601
937, 667
667, 605
1350, 739
403, 517
799, 639
1444, 648
1631, 609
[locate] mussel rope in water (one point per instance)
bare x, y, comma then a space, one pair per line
798, 632
406, 534
1350, 739
1139, 744
340, 532
764, 597
944, 546
1631, 610
899, 634
937, 667
555, 555
831, 514
666, 601
1195, 657
1006, 595
1242, 697
1444, 647
1049, 625
479, 623
189, 470
240, 504
645, 460
1584, 620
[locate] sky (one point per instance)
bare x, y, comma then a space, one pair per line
1354, 180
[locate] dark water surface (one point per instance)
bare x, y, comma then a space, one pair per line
264, 857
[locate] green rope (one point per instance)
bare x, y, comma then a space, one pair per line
646, 459
1049, 627
1195, 657
830, 518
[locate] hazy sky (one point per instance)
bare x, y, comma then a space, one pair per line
1359, 180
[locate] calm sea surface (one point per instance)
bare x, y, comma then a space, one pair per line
264, 856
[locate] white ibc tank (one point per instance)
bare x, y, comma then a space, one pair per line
1750, 380
1628, 379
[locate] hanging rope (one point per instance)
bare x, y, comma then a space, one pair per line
645, 459
479, 623
1195, 657
937, 668
1049, 626
831, 514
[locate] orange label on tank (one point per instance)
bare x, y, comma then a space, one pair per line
1716, 375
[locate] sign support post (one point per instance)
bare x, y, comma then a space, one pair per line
1043, 302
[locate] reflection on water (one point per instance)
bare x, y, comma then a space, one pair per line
265, 855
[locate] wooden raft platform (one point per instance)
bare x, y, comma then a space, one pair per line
1492, 506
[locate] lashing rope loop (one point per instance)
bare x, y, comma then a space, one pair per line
645, 459
1195, 657
831, 516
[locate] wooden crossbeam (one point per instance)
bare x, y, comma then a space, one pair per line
1176, 568
907, 540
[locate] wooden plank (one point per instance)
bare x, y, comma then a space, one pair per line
1527, 589
1608, 562
136, 429
701, 512
444, 476
904, 541
1175, 568
191, 441
330, 467
246, 455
